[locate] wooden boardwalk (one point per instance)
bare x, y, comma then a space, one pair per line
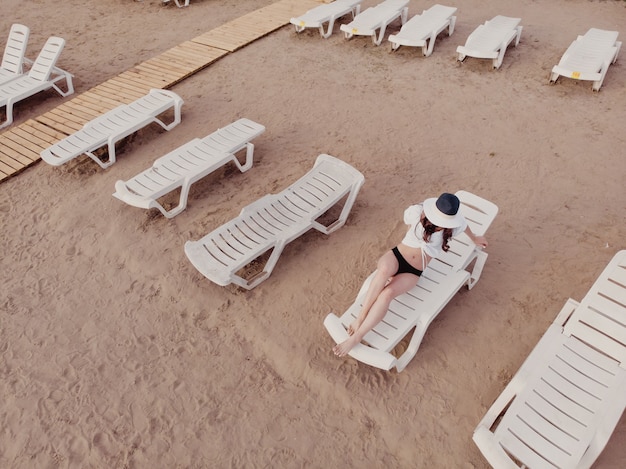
21, 145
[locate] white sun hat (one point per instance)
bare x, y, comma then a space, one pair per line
444, 211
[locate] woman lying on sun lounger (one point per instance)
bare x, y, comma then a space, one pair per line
432, 224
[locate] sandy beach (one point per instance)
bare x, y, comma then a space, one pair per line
116, 353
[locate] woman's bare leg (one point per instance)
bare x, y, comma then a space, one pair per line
399, 284
386, 268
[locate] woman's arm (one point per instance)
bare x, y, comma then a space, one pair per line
412, 214
480, 241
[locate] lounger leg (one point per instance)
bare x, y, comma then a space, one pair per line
110, 161
451, 26
267, 270
381, 35
326, 34
598, 84
103, 165
554, 77
411, 350
174, 123
498, 60
343, 216
519, 35
427, 50
404, 15
481, 258
9, 114
68, 83
182, 202
249, 158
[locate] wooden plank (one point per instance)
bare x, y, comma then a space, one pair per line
5, 169
13, 161
127, 87
97, 96
98, 102
174, 59
199, 53
233, 37
66, 117
189, 55
150, 68
17, 152
173, 70
199, 49
118, 88
120, 96
148, 79
102, 93
60, 121
168, 64
56, 125
78, 109
208, 53
26, 143
45, 132
134, 83
35, 138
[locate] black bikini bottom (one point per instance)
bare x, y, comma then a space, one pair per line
403, 266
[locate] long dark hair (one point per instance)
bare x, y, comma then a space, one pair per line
430, 228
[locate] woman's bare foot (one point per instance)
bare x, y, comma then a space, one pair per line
342, 349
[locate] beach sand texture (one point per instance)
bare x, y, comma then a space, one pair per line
115, 352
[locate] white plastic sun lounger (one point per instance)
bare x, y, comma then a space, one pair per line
563, 404
12, 65
42, 76
375, 19
422, 30
589, 57
417, 308
490, 40
275, 220
327, 13
113, 126
187, 164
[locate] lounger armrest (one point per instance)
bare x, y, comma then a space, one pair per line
122, 193
402, 41
49, 157
491, 449
360, 352
300, 23
607, 422
566, 312
196, 254
574, 74
485, 438
544, 347
479, 54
